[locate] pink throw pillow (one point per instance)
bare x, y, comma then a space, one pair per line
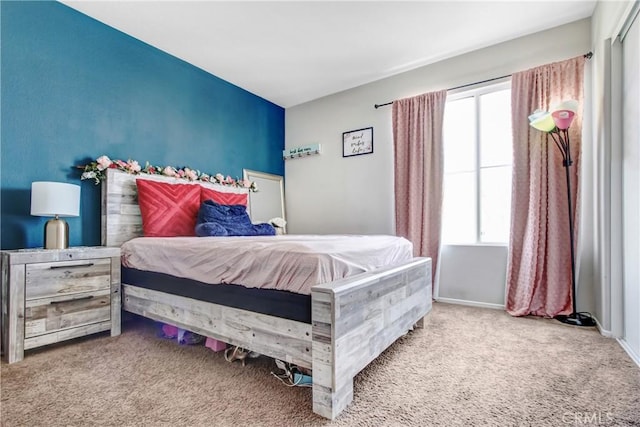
223, 198
168, 210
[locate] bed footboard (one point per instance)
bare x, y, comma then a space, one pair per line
356, 319
275, 337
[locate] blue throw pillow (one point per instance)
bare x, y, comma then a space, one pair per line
232, 218
210, 229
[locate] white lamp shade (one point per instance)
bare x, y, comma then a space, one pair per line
55, 198
570, 105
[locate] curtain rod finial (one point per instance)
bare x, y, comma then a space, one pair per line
376, 106
588, 55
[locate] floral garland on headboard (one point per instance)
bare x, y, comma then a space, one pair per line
96, 170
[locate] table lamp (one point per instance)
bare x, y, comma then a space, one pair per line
55, 199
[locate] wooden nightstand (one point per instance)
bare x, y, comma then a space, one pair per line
51, 295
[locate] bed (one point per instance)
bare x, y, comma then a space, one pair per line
350, 321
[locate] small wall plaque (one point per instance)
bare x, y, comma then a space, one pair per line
357, 142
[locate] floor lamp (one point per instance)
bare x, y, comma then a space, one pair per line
556, 123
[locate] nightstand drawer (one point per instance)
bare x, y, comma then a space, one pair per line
51, 279
46, 315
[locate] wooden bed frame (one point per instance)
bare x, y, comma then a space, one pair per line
353, 319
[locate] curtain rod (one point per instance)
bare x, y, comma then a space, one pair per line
587, 55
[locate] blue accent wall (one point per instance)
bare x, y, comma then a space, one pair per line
74, 89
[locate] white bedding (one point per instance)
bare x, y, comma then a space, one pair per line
291, 262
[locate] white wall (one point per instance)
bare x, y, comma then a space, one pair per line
605, 24
618, 303
330, 194
631, 187
482, 279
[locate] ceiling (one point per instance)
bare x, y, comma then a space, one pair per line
291, 52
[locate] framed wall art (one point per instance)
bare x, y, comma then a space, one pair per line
357, 142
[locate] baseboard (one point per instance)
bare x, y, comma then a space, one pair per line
632, 354
471, 303
604, 332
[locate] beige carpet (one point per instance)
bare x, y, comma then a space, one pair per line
469, 366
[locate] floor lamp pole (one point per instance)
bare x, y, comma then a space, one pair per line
561, 138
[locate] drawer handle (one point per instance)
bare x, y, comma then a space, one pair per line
53, 267
72, 300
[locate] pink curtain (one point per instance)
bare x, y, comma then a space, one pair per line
418, 161
539, 264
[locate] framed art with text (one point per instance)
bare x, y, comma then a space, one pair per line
357, 142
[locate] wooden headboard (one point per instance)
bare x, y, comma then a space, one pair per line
121, 220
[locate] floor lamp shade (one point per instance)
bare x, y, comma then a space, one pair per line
55, 199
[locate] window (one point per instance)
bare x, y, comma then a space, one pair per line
477, 166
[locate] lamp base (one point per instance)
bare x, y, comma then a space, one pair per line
56, 234
576, 319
